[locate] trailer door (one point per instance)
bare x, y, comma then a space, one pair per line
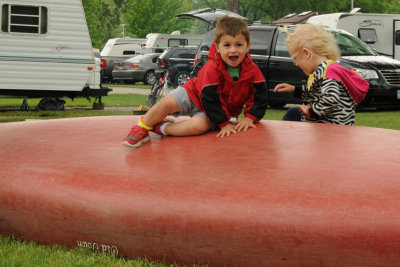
396, 37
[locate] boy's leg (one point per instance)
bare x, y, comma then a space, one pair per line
139, 134
157, 113
196, 125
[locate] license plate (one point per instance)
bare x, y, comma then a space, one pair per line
398, 94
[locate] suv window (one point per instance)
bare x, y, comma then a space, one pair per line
281, 49
260, 39
183, 53
179, 53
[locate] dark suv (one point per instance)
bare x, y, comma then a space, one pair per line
269, 51
181, 59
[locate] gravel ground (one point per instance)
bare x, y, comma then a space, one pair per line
124, 90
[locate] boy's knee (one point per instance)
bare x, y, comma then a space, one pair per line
200, 125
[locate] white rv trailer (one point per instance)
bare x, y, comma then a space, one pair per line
46, 50
159, 40
380, 31
119, 47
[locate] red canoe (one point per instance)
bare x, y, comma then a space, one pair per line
283, 194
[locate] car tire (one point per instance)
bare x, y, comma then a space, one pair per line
181, 77
150, 78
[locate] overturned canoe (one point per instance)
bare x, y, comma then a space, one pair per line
283, 194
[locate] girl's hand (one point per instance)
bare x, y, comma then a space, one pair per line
244, 123
227, 130
283, 88
305, 109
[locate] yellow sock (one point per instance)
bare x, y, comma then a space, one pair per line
148, 128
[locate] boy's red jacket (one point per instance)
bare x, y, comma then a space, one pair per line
214, 91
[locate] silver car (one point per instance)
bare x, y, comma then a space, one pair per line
139, 68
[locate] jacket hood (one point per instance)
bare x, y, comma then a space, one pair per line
357, 86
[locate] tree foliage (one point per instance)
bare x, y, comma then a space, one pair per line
159, 16
155, 16
102, 16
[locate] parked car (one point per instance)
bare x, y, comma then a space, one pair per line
269, 51
139, 68
181, 58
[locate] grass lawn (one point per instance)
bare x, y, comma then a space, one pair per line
16, 253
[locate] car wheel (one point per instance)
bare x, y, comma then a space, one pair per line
182, 77
150, 78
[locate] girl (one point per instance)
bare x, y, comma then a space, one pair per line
332, 91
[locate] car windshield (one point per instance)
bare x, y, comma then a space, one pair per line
350, 45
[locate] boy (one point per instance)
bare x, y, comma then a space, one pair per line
225, 84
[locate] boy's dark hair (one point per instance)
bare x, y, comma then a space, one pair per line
231, 26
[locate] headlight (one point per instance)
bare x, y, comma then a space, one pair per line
367, 74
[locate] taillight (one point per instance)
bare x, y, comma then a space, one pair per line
103, 63
195, 60
163, 64
134, 66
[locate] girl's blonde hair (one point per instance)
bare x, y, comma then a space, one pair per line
314, 38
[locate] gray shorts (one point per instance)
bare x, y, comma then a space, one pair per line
186, 106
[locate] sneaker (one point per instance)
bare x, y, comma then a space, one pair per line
136, 137
157, 128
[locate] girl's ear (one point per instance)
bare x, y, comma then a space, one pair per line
308, 53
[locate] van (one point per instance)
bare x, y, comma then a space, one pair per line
380, 31
46, 51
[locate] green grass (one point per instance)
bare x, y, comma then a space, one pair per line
370, 118
16, 253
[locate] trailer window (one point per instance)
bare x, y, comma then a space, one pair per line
397, 37
128, 52
24, 19
367, 35
177, 42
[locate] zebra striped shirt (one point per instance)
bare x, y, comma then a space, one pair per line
330, 101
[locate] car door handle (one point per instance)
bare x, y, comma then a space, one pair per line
260, 62
275, 63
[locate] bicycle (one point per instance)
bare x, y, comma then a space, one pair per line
165, 80
161, 87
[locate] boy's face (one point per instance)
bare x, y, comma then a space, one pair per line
233, 49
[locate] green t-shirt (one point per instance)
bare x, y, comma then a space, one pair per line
233, 72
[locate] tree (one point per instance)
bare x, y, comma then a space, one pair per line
102, 16
233, 5
157, 16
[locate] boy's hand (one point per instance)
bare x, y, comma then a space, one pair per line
284, 87
227, 130
244, 123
